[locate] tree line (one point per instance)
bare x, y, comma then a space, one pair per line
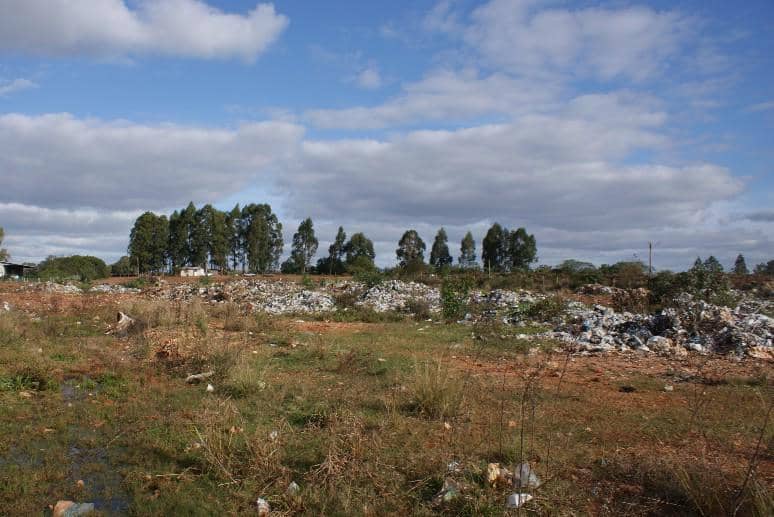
249, 239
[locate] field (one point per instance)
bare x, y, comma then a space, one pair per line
365, 415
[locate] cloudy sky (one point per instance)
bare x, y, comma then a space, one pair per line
599, 126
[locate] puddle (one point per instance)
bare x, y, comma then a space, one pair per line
103, 484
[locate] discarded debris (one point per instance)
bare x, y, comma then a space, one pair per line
525, 477
210, 388
517, 500
198, 377
449, 492
123, 325
497, 475
263, 507
293, 489
72, 509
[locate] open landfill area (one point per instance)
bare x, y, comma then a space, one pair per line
331, 396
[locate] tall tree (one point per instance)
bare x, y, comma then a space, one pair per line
218, 238
336, 251
411, 249
439, 254
177, 247
521, 250
199, 237
3, 253
148, 243
234, 222
495, 248
467, 257
740, 266
304, 245
262, 237
359, 246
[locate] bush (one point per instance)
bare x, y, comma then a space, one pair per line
370, 277
419, 308
76, 267
454, 297
546, 309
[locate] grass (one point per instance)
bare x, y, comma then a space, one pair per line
365, 413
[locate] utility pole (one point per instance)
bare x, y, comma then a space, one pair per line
650, 259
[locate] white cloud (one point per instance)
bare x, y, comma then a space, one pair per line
369, 78
443, 95
110, 28
58, 160
17, 85
762, 106
527, 38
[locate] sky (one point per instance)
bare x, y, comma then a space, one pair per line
598, 126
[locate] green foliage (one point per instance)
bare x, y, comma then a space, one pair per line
333, 264
359, 246
148, 243
370, 276
3, 252
439, 255
122, 267
706, 281
505, 250
411, 249
765, 269
304, 245
435, 393
740, 266
467, 258
454, 297
547, 309
76, 267
262, 237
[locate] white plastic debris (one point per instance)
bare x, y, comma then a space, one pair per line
517, 500
293, 489
210, 388
263, 507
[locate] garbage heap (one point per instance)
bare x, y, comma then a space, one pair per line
690, 325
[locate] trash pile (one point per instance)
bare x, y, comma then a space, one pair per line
395, 295
273, 297
691, 325
113, 289
500, 299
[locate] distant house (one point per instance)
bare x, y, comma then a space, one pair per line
192, 271
9, 269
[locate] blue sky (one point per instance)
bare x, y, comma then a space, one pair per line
599, 126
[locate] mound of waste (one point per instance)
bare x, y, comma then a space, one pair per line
690, 325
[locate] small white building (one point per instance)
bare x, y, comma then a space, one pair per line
192, 271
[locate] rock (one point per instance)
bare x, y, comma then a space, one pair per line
517, 500
198, 377
72, 509
263, 507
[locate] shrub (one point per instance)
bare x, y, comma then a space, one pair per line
454, 297
419, 308
546, 309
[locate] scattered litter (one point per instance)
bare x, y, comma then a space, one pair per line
517, 500
263, 507
525, 477
497, 475
72, 509
669, 387
123, 325
6, 307
293, 489
198, 377
449, 492
210, 388
274, 435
